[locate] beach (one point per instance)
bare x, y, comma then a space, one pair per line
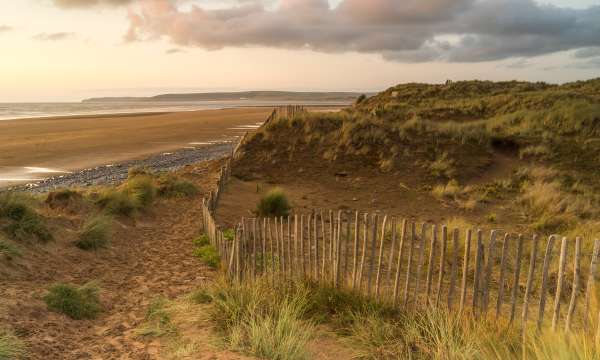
35, 149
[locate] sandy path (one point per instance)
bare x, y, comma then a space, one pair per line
147, 259
75, 143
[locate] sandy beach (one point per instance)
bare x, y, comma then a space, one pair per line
37, 148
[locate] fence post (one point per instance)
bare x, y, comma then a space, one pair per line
392, 251
465, 271
478, 266
515, 289
547, 258
531, 273
559, 282
380, 260
591, 281
575, 290
442, 264
324, 249
500, 299
430, 263
453, 268
489, 264
413, 234
355, 258
316, 237
301, 240
399, 264
364, 250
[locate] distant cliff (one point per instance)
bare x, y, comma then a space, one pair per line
344, 97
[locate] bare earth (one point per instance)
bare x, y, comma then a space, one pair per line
74, 143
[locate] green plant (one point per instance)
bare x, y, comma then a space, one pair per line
116, 202
201, 240
141, 190
78, 303
95, 234
62, 198
9, 250
172, 186
23, 222
138, 171
274, 203
229, 234
158, 320
11, 348
209, 255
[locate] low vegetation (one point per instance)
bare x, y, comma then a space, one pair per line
77, 302
273, 203
62, 198
206, 252
158, 320
8, 249
171, 186
20, 220
141, 190
95, 233
115, 202
279, 322
11, 348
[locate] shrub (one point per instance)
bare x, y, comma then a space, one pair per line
95, 234
76, 302
116, 202
450, 190
141, 190
172, 186
202, 240
138, 171
209, 255
8, 249
62, 198
274, 203
11, 348
23, 222
229, 234
442, 166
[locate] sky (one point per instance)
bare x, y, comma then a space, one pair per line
67, 50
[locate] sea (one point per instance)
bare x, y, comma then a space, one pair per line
10, 111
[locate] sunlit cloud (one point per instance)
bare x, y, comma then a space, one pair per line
407, 31
89, 3
5, 28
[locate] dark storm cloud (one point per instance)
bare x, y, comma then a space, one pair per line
54, 36
407, 30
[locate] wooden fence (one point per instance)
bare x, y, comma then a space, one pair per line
547, 281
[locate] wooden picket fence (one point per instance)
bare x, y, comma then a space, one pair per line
549, 281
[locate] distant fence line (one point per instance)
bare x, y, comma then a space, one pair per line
417, 265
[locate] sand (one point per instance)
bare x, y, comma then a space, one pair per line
36, 148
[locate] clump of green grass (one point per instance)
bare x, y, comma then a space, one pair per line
8, 250
443, 166
158, 320
274, 203
141, 190
209, 255
450, 190
229, 234
11, 348
201, 240
259, 320
22, 221
78, 303
62, 198
172, 186
95, 233
116, 202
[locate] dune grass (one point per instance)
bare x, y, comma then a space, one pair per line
171, 186
77, 302
141, 190
8, 249
21, 220
115, 202
273, 203
62, 198
11, 348
95, 233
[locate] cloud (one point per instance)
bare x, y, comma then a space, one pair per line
407, 30
587, 52
5, 28
89, 3
54, 36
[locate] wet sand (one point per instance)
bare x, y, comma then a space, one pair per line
39, 148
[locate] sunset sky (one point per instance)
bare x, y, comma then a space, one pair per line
65, 50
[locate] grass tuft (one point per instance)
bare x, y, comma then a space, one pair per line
8, 249
21, 220
78, 303
11, 348
141, 190
172, 186
209, 255
62, 198
95, 234
274, 203
115, 202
